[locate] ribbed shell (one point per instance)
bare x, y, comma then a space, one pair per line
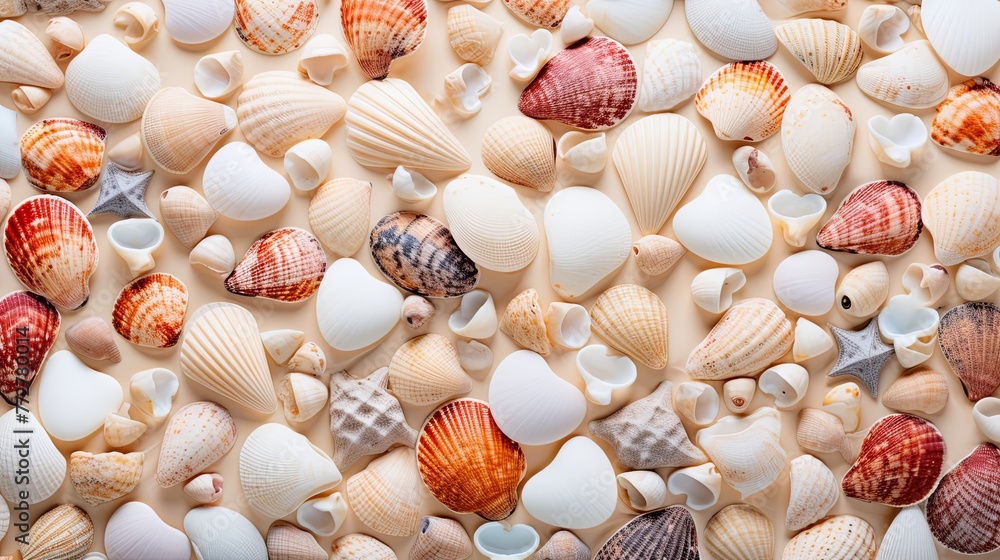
135, 531
964, 511
744, 100
753, 334
877, 218
48, 466
962, 214
179, 129
50, 246
276, 26
844, 537
425, 370
63, 155
830, 50
25, 60
592, 84
364, 418
65, 532
742, 32
633, 320
563, 545
908, 538
524, 321
340, 213
863, 290
29, 321
386, 495
814, 491
522, 151
911, 77
655, 254
739, 532
380, 31
113, 93
924, 390
104, 477
196, 436
286, 264
222, 351
360, 547
467, 463
667, 533
187, 214
817, 136
278, 109
441, 538
543, 13
968, 120
287, 542
150, 310
969, 335
473, 34
899, 464
671, 73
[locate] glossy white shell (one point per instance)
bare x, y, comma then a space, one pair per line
701, 484
354, 309
197, 21
135, 240
576, 490
908, 537
810, 340
787, 383
135, 531
603, 372
746, 450
895, 141
796, 215
806, 282
726, 224
713, 289
476, 316
74, 399
240, 539
629, 21
239, 185
961, 32
911, 327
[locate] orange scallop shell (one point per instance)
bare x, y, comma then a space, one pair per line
744, 100
964, 511
63, 155
968, 120
969, 335
275, 26
286, 264
29, 325
150, 310
877, 218
380, 31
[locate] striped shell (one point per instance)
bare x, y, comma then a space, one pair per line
425, 370
276, 26
634, 321
360, 547
27, 321
841, 537
751, 335
964, 511
969, 335
744, 100
877, 218
740, 532
380, 31
63, 532
286, 264
522, 151
340, 213
962, 213
104, 477
63, 155
543, 13
830, 50
968, 120
667, 533
150, 310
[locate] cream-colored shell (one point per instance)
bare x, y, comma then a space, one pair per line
910, 77
120, 430
322, 57
441, 538
927, 283
219, 74
586, 152
796, 215
476, 317
753, 323
843, 536
357, 546
309, 359
922, 390
104, 477
473, 34
24, 60
524, 321
287, 542
474, 355
744, 101
128, 154
205, 488
67, 38
744, 34
340, 215
386, 495
787, 383
738, 394
281, 344
215, 253
655, 254
895, 141
425, 370
65, 531
830, 50
696, 401
646, 490
528, 53
796, 7
114, 93
302, 396
671, 73
411, 187
308, 163
844, 402
135, 240
713, 289
754, 168
521, 150
701, 484
881, 27
863, 290
986, 415
746, 450
196, 436
814, 491
275, 26
179, 129
975, 281
153, 391
323, 516
823, 432
633, 320
740, 532
29, 99
567, 324
139, 21
817, 136
962, 213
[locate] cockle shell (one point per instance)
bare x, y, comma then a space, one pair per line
425, 370
629, 21
744, 34
220, 74
750, 336
543, 13
844, 402
286, 264
386, 495
194, 22
489, 222
63, 155
908, 538
339, 214
275, 27
187, 214
671, 73
239, 185
114, 93
93, 338
524, 322
180, 129
633, 321
24, 59
646, 490
353, 309
467, 463
741, 232
948, 26
655, 254
139, 21
817, 136
666, 533
911, 77
746, 450
744, 101
65, 531
962, 512
842, 536
287, 542
149, 311
205, 488
877, 218
476, 317
66, 36
48, 466
321, 58
418, 310
962, 213
963, 120
881, 27
29, 325
197, 435
301, 395
863, 290
215, 253
135, 531
556, 495
713, 289
308, 163
441, 538
830, 50
29, 99
240, 538
106, 476
968, 338
739, 532
804, 282
473, 34
923, 390
521, 150
796, 215
574, 89
530, 403
357, 546
380, 31
814, 491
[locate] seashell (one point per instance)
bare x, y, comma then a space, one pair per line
24, 59
796, 7
498, 542
29, 99
741, 231
575, 26
841, 536
530, 403
744, 34
120, 430
962, 511
698, 402
135, 531
323, 516
490, 224
48, 466
563, 545
239, 539
756, 169
65, 531
465, 87
286, 264
817, 136
139, 21
467, 463
665, 533
186, 214
633, 321
655, 254
546, 13
104, 477
73, 399
302, 396
153, 391
339, 214
923, 390
179, 129
844, 402
899, 464
603, 372
91, 338
280, 469
473, 34
29, 325
389, 124
975, 281
796, 215
476, 317
66, 36
750, 336
986, 415
895, 140
629, 21
149, 311
746, 450
831, 51
226, 188
441, 538
353, 309
863, 290
739, 532
586, 153
128, 154
908, 537
411, 187
947, 25
135, 240
645, 490
309, 358
738, 394
744, 100
529, 53
576, 90
380, 31
10, 148
205, 488
955, 125
520, 150
474, 356
961, 214
910, 326
308, 163
364, 418
425, 370
881, 27
220, 74
276, 27
197, 435
926, 283
700, 484
567, 324
966, 336
386, 495
215, 253
556, 495
62, 155
805, 282
877, 218
357, 547
787, 383
822, 432
814, 491
194, 22
419, 254
911, 77
321, 58
287, 542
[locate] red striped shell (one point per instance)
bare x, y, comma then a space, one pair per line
968, 120
29, 325
969, 335
149, 311
63, 155
286, 264
964, 511
877, 218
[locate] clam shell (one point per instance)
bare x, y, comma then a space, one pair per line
364, 418
962, 213
744, 34
746, 450
923, 390
830, 50
750, 336
179, 129
187, 214
543, 13
814, 491
881, 27
194, 22
339, 214
490, 224
910, 77
949, 25
968, 339
739, 532
93, 338
24, 60
114, 93
239, 185
425, 370
863, 290
579, 463
667, 533
740, 230
524, 322
135, 531
220, 74
817, 136
671, 73
65, 531
822, 432
215, 253
286, 264
357, 546
63, 155
31, 323
841, 536
975, 281
276, 26
520, 150
353, 309
106, 476
804, 282
240, 539
287, 542
655, 254
386, 495
473, 34
197, 435
629, 21
877, 218
908, 538
962, 511
633, 320
744, 101
963, 119
48, 466
149, 311
441, 538
380, 31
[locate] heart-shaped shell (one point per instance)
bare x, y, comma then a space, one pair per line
27, 322
150, 310
286, 264
878, 218
744, 100
968, 119
963, 215
750, 336
380, 31
276, 26
634, 321
63, 155
969, 335
962, 512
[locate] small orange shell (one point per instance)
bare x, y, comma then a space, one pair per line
744, 100
969, 335
963, 511
150, 310
63, 155
877, 218
104, 477
968, 120
543, 13
286, 264
26, 321
380, 31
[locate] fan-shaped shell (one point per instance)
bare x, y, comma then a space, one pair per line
740, 532
969, 339
814, 491
910, 77
106, 476
187, 214
962, 512
340, 213
843, 536
633, 320
360, 547
666, 533
196, 436
963, 215
194, 22
179, 129
425, 370
386, 495
522, 151
65, 531
830, 50
287, 542
908, 537
877, 218
923, 390
817, 136
742, 33
25, 60
149, 311
115, 93
380, 31
671, 73
286, 264
543, 13
31, 323
951, 26
441, 538
63, 155
751, 335
726, 223
744, 100
968, 119
239, 539
276, 26
473, 34
48, 466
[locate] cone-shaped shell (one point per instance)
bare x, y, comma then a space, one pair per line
149, 311
962, 214
744, 101
25, 60
739, 532
425, 370
287, 542
364, 418
64, 531
522, 151
963, 511
910, 77
63, 155
380, 31
877, 218
179, 129
830, 50
655, 254
967, 119
473, 34
591, 84
667, 533
222, 351
968, 335
924, 390
286, 264
93, 338
467, 463
657, 158
524, 321
386, 495
863, 290
276, 27
31, 323
187, 214
441, 538
340, 213
842, 537
39, 234
814, 491
899, 464
389, 124
106, 476
543, 13
196, 436
633, 320
751, 335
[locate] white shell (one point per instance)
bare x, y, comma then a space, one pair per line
139, 21
844, 402
603, 372
411, 187
128, 154
796, 215
910, 77
697, 401
135, 531
738, 394
205, 488
219, 74
301, 395
239, 185
476, 317
239, 539
671, 73
531, 403
629, 21
817, 136
895, 141
354, 309
135, 240
73, 399
881, 27
911, 327
575, 25
787, 383
974, 280
308, 163
10, 144
927, 283
153, 391
746, 450
754, 168
48, 466
529, 53
726, 224
567, 324
322, 56
814, 491
810, 340
215, 253
465, 88
986, 415
701, 484
496, 541
713, 289
29, 99
474, 34
908, 537
586, 152
323, 516
474, 356
114, 93
646, 490
576, 490
197, 21
743, 34
581, 255
961, 32
120, 430
806, 282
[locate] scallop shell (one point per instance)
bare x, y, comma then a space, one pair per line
180, 129
135, 531
37, 236
750, 336
114, 93
877, 218
287, 542
962, 215
239, 185
63, 155
962, 512
24, 59
187, 214
276, 27
666, 533
220, 74
951, 25
194, 22
817, 136
842, 536
380, 31
286, 264
93, 338
739, 532
524, 322
923, 390
29, 325
968, 338
65, 531
741, 230
441, 538
473, 34
386, 495
814, 491
520, 150
964, 120
633, 321
106, 476
48, 466
339, 214
671, 73
910, 77
425, 370
490, 224
149, 311
743, 34
744, 101
863, 290
830, 50
197, 435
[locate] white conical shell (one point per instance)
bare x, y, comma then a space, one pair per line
604, 371
135, 531
629, 21
205, 488
962, 214
179, 129
48, 466
385, 496
986, 415
743, 34
805, 282
323, 516
219, 74
239, 185
74, 399
844, 402
738, 394
810, 340
282, 344
830, 50
240, 539
702, 485
586, 152
908, 537
473, 34
576, 490
814, 491
322, 56
215, 253
961, 33
796, 215
894, 141
302, 396
817, 136
746, 450
476, 317
910, 77
355, 310
646, 490
671, 73
114, 93
24, 60
697, 401
713, 289
308, 163
787, 383
67, 38
726, 223
194, 22
139, 21
881, 27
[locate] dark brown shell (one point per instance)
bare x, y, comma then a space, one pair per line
667, 534
969, 335
968, 120
29, 325
418, 254
286, 264
150, 310
899, 464
964, 511
63, 155
878, 218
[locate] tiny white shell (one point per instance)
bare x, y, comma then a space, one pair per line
323, 516
139, 21
583, 151
787, 383
810, 340
215, 253
806, 282
796, 215
646, 490
603, 372
153, 391
529, 53
575, 25
205, 488
567, 324
701, 484
322, 56
881, 27
974, 280
713, 289
135, 240
282, 344
465, 87
308, 163
219, 74
697, 401
411, 187
895, 141
476, 317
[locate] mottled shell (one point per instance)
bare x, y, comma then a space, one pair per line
667, 533
150, 310
750, 336
63, 532
633, 320
286, 264
473, 34
63, 155
287, 542
543, 13
964, 511
441, 538
522, 151
104, 477
962, 213
425, 370
196, 436
968, 120
340, 213
744, 101
877, 218
924, 390
26, 321
830, 50
843, 537
276, 26
969, 335
524, 321
364, 418
380, 31
740, 532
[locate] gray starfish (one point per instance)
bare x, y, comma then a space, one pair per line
861, 354
123, 193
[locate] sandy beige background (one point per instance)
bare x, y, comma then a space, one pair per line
426, 70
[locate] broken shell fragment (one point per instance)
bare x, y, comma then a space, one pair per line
66, 36
796, 215
220, 74
465, 87
814, 491
584, 152
323, 516
215, 253
153, 391
701, 485
713, 289
746, 450
844, 402
986, 415
321, 58
120, 430
975, 281
567, 324
755, 168
308, 163
529, 53
698, 402
29, 99
139, 21
302, 396
881, 27
417, 311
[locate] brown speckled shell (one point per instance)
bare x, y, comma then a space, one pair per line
63, 155
276, 26
27, 320
877, 218
104, 477
150, 310
286, 264
196, 436
364, 418
418, 254
591, 84
63, 532
899, 464
665, 534
842, 537
968, 120
543, 13
964, 511
467, 463
380, 31
969, 335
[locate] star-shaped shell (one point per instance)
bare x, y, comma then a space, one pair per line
861, 354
